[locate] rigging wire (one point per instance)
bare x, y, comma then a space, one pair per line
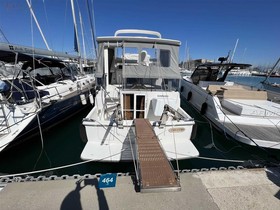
134, 159
59, 167
64, 28
2, 35
37, 97
47, 19
175, 148
212, 139
272, 70
42, 144
36, 21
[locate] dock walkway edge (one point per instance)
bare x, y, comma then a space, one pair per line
256, 188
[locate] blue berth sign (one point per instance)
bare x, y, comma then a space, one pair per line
107, 180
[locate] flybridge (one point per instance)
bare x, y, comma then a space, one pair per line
30, 50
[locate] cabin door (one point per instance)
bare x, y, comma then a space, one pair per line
133, 106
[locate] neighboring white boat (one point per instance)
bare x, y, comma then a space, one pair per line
41, 91
186, 72
273, 89
240, 72
137, 77
245, 115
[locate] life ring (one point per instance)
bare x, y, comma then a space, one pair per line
189, 96
203, 108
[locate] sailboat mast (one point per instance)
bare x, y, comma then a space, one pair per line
35, 19
83, 39
76, 31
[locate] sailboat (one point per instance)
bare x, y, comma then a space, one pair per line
38, 92
137, 81
39, 88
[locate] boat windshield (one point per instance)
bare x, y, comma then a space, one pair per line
205, 74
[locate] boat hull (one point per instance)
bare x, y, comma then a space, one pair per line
114, 144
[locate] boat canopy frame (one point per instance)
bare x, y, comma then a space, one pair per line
136, 70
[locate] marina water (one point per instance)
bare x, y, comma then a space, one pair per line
62, 146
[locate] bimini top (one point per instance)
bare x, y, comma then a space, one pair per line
134, 35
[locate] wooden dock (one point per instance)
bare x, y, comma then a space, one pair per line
155, 170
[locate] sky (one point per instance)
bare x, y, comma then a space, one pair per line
207, 28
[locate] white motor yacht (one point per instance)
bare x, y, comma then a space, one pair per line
137, 80
244, 114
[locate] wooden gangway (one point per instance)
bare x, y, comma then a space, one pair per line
155, 170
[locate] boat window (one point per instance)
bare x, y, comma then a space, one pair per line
140, 106
170, 84
205, 74
148, 56
66, 71
128, 106
142, 56
200, 75
45, 70
9, 69
164, 58
152, 84
133, 106
71, 70
129, 55
55, 70
214, 75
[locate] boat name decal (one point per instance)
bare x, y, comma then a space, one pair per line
176, 130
